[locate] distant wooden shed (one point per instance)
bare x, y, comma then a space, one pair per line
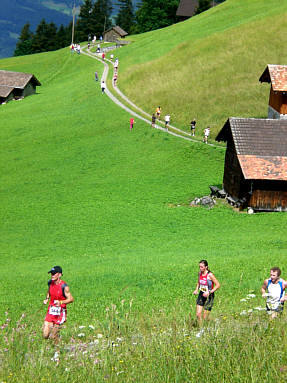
255, 168
187, 8
277, 76
15, 85
114, 33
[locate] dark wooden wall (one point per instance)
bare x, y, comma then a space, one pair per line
278, 101
233, 181
272, 200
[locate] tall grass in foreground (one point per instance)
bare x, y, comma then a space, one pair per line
128, 348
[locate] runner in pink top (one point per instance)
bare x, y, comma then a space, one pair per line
132, 122
206, 285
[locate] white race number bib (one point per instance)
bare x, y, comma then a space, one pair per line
53, 310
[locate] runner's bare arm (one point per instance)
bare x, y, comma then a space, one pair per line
216, 284
45, 301
69, 297
263, 288
197, 287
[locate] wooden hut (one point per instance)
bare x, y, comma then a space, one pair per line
15, 85
187, 8
255, 169
277, 76
114, 33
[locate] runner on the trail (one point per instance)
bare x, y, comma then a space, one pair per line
192, 127
206, 134
96, 76
132, 122
59, 295
103, 86
158, 112
207, 284
274, 290
167, 120
115, 79
153, 120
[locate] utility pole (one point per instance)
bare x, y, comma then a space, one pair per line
105, 26
73, 27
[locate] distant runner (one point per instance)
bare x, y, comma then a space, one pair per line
59, 296
153, 120
274, 290
158, 112
103, 86
206, 134
167, 120
192, 127
132, 122
207, 284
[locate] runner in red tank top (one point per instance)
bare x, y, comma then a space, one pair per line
207, 284
58, 296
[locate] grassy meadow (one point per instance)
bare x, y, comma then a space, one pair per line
111, 206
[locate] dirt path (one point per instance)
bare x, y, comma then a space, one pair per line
177, 133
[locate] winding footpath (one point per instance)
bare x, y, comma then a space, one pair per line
177, 132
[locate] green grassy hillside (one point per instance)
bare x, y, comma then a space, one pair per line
212, 61
111, 206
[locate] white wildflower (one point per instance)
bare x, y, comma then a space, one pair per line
243, 300
81, 335
82, 326
243, 312
250, 311
251, 295
100, 336
91, 327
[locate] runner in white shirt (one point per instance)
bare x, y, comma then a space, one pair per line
274, 290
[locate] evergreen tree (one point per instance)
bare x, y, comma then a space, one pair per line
125, 17
24, 44
102, 11
52, 37
40, 39
203, 5
85, 22
154, 14
62, 37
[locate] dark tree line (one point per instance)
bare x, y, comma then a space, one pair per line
47, 37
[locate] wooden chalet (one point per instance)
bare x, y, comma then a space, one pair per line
114, 33
15, 85
187, 8
277, 76
255, 169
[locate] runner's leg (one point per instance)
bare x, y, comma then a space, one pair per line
47, 328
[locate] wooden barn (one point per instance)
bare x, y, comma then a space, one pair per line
277, 76
187, 8
114, 33
255, 169
15, 85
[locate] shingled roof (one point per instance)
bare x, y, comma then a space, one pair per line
277, 75
16, 79
5, 91
261, 146
187, 8
119, 30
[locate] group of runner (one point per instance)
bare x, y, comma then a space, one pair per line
59, 296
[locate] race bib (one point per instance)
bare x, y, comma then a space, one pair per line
204, 289
53, 310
